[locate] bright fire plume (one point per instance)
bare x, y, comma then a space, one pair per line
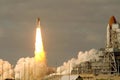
39, 49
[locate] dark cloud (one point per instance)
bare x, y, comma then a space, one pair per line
68, 26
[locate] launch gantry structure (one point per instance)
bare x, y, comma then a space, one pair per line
111, 60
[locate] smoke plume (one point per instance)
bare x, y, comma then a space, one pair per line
29, 69
67, 67
6, 70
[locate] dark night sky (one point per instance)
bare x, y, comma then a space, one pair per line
68, 26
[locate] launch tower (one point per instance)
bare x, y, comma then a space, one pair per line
111, 61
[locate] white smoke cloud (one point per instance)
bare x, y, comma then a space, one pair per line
6, 70
67, 67
29, 69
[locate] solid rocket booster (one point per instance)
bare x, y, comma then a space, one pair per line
109, 31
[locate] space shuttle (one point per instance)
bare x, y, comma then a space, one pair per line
113, 33
38, 22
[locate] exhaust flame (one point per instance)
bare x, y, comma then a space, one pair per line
39, 50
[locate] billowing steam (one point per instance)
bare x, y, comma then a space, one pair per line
29, 69
67, 67
6, 70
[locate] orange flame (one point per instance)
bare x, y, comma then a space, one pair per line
39, 50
